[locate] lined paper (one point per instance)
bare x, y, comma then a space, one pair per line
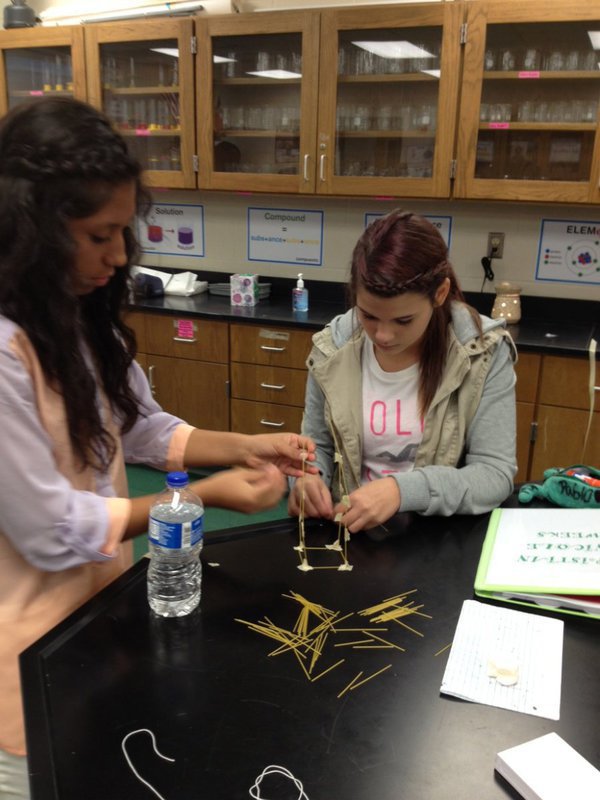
534, 643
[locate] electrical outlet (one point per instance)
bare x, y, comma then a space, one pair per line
495, 247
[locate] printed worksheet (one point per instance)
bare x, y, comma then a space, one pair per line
506, 658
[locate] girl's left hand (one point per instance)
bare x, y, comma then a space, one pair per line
370, 505
287, 451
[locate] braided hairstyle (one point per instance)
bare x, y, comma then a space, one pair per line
60, 159
403, 252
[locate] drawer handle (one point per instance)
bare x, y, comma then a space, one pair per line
273, 349
184, 341
272, 424
272, 386
305, 170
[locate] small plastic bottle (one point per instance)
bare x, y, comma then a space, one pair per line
300, 295
175, 537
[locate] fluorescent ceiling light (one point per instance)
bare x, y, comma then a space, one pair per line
434, 72
401, 49
277, 74
594, 39
223, 60
168, 51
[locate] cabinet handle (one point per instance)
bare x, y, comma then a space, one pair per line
151, 380
272, 424
305, 169
272, 386
322, 166
272, 349
185, 341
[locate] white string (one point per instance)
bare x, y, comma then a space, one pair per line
158, 753
274, 769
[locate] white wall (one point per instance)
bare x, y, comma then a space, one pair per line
226, 242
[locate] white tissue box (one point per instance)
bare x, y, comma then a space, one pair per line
244, 289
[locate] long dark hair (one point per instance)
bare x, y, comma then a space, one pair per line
60, 159
403, 252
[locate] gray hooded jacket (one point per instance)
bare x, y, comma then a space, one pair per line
466, 461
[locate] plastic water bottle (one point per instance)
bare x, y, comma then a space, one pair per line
175, 533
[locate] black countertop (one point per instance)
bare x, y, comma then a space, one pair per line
555, 327
224, 709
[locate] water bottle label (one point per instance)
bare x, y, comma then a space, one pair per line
175, 535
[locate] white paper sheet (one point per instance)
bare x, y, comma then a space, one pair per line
534, 643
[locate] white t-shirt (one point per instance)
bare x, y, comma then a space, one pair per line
392, 425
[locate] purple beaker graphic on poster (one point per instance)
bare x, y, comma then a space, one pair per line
185, 238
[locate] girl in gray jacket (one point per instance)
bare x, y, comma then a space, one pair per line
410, 394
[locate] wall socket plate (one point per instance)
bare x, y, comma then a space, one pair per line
495, 247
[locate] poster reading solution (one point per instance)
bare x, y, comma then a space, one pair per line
569, 251
442, 223
285, 235
172, 229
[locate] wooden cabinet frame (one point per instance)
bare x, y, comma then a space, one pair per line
138, 31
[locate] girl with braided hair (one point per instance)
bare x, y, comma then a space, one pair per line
410, 393
75, 405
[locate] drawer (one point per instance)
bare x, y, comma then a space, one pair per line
250, 417
278, 347
137, 321
187, 337
565, 382
268, 384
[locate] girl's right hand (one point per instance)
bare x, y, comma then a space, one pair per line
245, 490
317, 498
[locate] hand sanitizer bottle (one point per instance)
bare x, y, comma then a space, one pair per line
300, 295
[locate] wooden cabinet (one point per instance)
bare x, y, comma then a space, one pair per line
141, 74
41, 62
529, 102
256, 101
562, 416
268, 377
528, 371
386, 82
186, 361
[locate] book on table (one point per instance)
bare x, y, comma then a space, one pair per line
544, 557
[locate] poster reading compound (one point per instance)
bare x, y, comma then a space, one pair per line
285, 235
173, 229
443, 224
569, 251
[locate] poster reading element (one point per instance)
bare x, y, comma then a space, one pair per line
285, 235
443, 224
569, 251
173, 229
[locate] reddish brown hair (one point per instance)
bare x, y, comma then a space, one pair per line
403, 252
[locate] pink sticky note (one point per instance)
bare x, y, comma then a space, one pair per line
531, 73
499, 125
185, 329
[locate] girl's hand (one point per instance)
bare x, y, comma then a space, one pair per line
246, 490
370, 505
286, 450
317, 498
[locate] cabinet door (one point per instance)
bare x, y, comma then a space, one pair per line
525, 414
141, 75
249, 417
196, 391
41, 62
560, 438
388, 99
565, 381
529, 102
256, 101
527, 369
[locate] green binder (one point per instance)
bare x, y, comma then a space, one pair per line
548, 558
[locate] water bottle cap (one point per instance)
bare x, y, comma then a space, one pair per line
177, 479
